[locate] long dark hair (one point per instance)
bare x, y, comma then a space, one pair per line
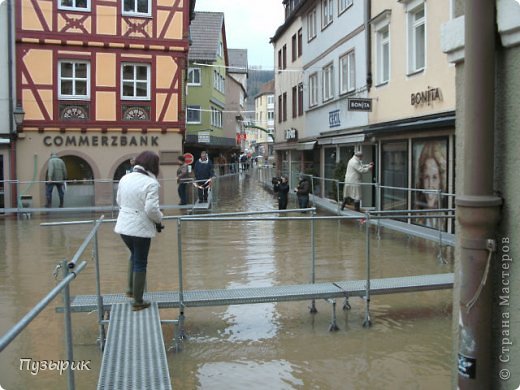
149, 161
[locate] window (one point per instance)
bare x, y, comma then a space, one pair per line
327, 8
416, 38
279, 59
135, 83
270, 100
300, 45
280, 110
74, 79
311, 25
216, 117
343, 5
76, 5
294, 97
193, 114
294, 48
313, 89
394, 174
347, 73
137, 7
383, 55
194, 76
284, 57
300, 99
221, 49
284, 105
328, 82
218, 81
270, 115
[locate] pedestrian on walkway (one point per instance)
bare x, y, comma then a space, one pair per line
182, 176
139, 219
302, 192
281, 187
351, 190
203, 176
56, 177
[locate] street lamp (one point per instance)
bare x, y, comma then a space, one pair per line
19, 115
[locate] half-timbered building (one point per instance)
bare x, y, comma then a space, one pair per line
100, 81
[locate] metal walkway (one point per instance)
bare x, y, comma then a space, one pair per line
248, 295
134, 355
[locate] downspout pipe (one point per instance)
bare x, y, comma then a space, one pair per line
478, 209
368, 43
12, 125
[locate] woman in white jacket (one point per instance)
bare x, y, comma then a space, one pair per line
139, 215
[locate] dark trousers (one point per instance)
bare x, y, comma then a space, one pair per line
303, 201
282, 202
182, 193
139, 248
48, 192
203, 192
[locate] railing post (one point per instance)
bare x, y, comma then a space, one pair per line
440, 255
367, 323
313, 249
181, 287
68, 327
100, 309
378, 208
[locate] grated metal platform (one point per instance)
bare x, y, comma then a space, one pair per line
134, 355
224, 297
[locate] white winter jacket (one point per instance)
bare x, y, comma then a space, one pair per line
138, 200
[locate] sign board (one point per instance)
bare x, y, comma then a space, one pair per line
188, 158
359, 104
203, 137
334, 119
291, 134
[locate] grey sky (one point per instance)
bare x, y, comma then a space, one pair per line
249, 25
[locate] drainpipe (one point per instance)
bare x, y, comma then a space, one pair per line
368, 43
12, 126
478, 209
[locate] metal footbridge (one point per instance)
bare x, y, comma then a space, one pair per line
250, 295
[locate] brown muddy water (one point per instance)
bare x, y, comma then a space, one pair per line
259, 346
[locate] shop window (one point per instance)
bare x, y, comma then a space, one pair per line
394, 174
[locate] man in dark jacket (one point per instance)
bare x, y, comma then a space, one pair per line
203, 175
56, 176
302, 192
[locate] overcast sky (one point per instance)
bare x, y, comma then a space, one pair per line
249, 25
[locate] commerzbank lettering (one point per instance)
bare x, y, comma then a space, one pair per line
100, 140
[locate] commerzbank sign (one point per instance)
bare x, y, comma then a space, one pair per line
101, 140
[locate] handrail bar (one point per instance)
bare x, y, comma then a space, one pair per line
31, 315
86, 242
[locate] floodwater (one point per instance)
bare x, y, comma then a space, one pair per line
259, 346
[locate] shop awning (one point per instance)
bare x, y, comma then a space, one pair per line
342, 139
305, 145
296, 146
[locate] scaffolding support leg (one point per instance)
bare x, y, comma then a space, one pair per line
333, 324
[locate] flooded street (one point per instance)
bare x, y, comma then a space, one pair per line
258, 346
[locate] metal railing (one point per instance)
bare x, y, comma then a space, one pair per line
70, 270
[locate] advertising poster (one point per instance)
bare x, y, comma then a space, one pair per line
430, 172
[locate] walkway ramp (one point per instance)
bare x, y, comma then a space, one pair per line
134, 355
250, 295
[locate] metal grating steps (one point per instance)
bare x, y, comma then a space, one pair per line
223, 297
134, 355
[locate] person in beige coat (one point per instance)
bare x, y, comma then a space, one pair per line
138, 220
351, 189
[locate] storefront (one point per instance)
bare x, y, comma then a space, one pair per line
95, 162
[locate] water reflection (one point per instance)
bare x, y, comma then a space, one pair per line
272, 345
